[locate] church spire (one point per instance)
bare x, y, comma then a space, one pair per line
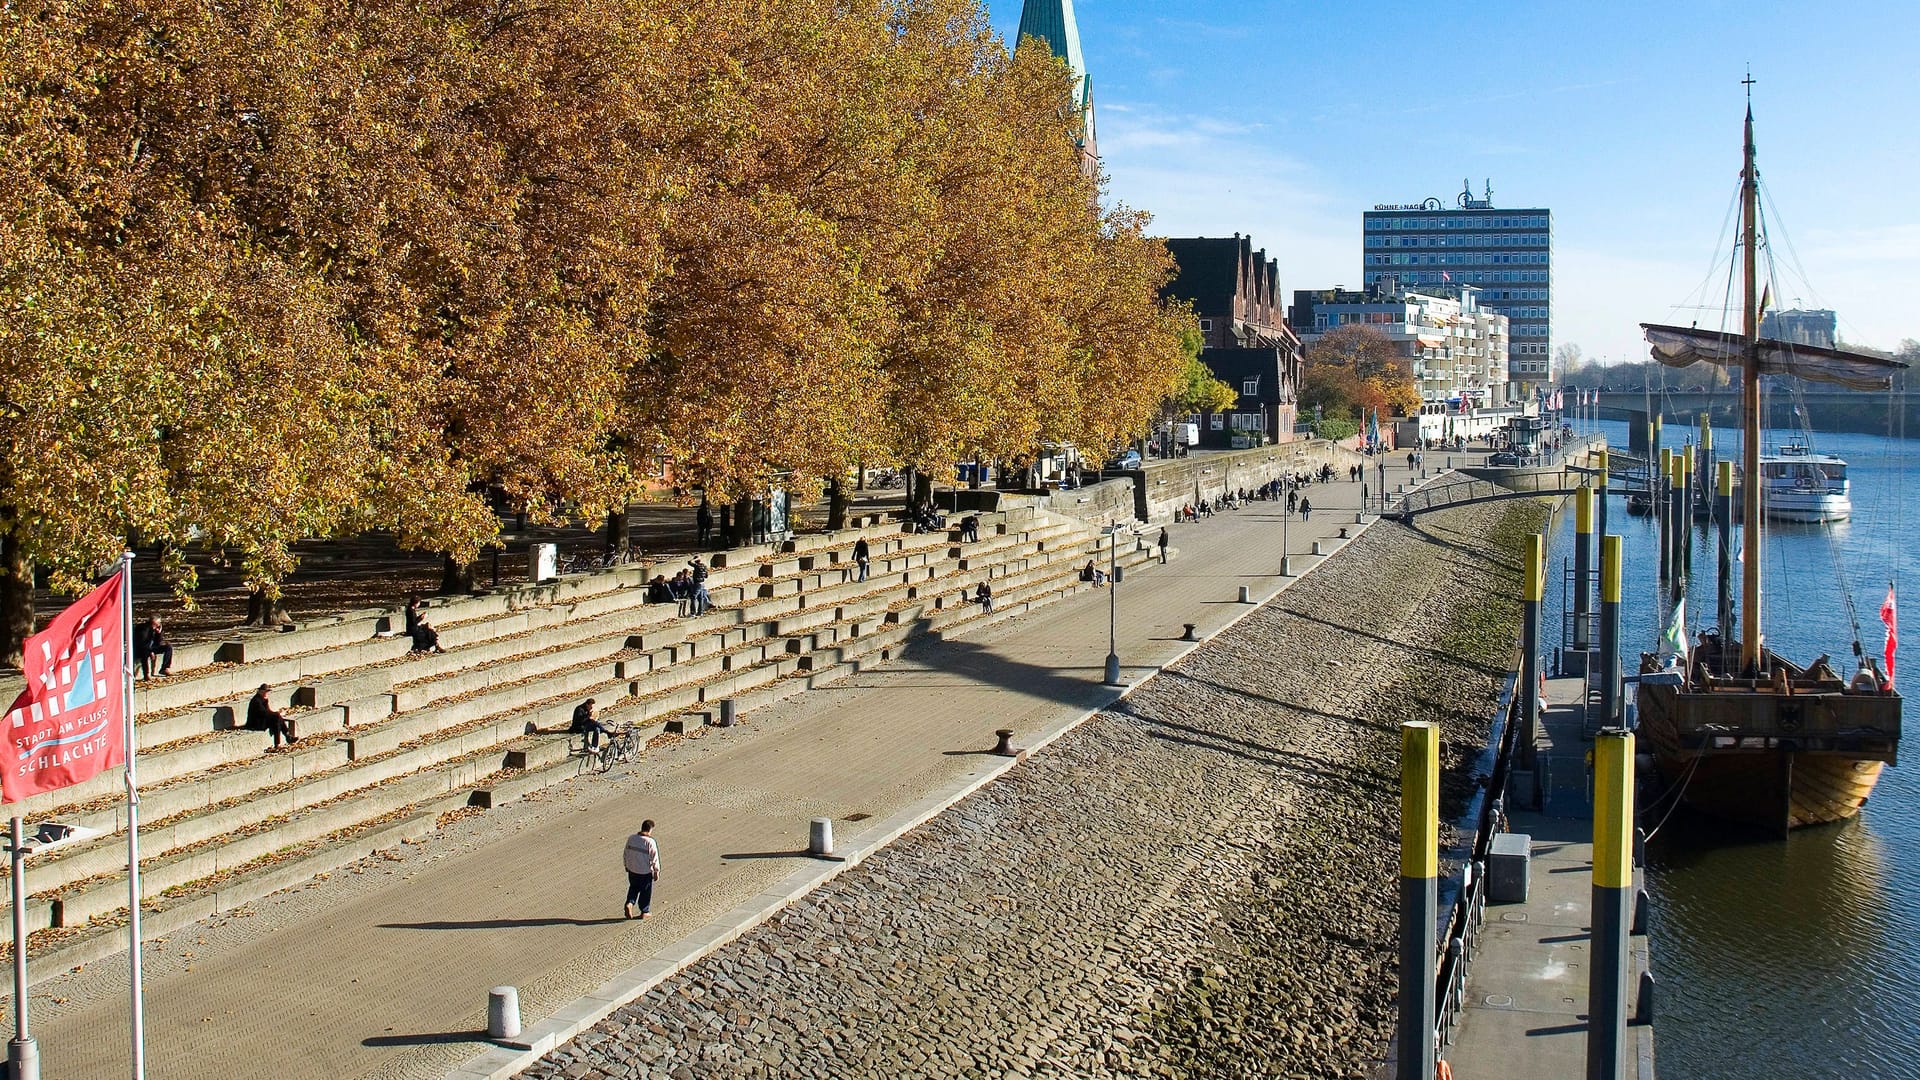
1051, 23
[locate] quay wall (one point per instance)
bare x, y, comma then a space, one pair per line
1163, 487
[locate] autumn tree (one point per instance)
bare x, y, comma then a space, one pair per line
1355, 368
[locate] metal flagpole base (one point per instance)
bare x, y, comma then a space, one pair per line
23, 1059
1113, 670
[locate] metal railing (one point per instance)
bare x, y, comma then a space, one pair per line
1468, 913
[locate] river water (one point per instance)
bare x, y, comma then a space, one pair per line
1795, 958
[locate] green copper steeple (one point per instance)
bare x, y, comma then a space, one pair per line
1052, 21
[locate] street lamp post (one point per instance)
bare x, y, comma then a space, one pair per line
1286, 516
1113, 605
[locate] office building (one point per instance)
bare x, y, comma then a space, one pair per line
1817, 328
1506, 254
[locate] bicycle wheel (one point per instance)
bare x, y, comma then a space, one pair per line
606, 755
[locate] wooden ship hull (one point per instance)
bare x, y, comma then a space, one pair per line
1801, 749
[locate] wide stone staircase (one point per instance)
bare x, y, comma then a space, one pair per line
391, 740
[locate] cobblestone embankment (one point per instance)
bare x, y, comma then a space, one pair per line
1197, 883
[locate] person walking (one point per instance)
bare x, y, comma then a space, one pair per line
642, 861
1306, 509
1163, 545
1293, 501
862, 556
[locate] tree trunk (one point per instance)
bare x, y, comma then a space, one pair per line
973, 480
456, 578
742, 534
618, 529
860, 477
724, 538
911, 481
837, 502
16, 591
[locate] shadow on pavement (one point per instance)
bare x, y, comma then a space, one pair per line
435, 1038
499, 924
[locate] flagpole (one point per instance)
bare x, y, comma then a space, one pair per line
139, 1049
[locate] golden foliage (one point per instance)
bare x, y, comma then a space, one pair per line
276, 271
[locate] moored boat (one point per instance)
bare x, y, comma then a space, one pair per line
1737, 730
1798, 484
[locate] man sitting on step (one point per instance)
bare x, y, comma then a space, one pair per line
586, 721
262, 716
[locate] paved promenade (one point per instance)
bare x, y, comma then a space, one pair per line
384, 969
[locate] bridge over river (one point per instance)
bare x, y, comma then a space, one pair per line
1889, 413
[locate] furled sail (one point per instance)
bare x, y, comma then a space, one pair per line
1680, 346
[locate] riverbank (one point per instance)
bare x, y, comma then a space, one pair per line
1197, 882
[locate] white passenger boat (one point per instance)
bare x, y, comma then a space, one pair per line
1800, 485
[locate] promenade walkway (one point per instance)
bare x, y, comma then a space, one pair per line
384, 970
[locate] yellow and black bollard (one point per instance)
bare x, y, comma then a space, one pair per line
1582, 576
1600, 497
1612, 903
1662, 503
1530, 646
1610, 629
1419, 895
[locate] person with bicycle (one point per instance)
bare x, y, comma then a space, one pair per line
586, 721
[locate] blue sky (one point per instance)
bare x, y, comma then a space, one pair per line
1286, 121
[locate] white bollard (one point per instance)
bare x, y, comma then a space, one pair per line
503, 1013
1246, 595
820, 837
1316, 548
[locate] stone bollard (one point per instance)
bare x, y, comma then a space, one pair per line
1188, 634
1316, 548
820, 837
503, 1013
1286, 566
1360, 518
724, 718
1246, 595
1005, 746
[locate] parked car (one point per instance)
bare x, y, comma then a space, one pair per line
1504, 457
1129, 459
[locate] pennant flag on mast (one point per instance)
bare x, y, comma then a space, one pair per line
1674, 639
1889, 614
69, 723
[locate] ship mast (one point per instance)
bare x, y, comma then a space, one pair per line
1750, 404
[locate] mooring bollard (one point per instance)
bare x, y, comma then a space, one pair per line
1005, 746
503, 1013
820, 837
1246, 595
1189, 635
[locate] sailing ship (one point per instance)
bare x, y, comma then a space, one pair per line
1742, 732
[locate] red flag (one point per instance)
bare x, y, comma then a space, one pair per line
69, 723
1890, 615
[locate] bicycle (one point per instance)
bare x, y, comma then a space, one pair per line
617, 747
